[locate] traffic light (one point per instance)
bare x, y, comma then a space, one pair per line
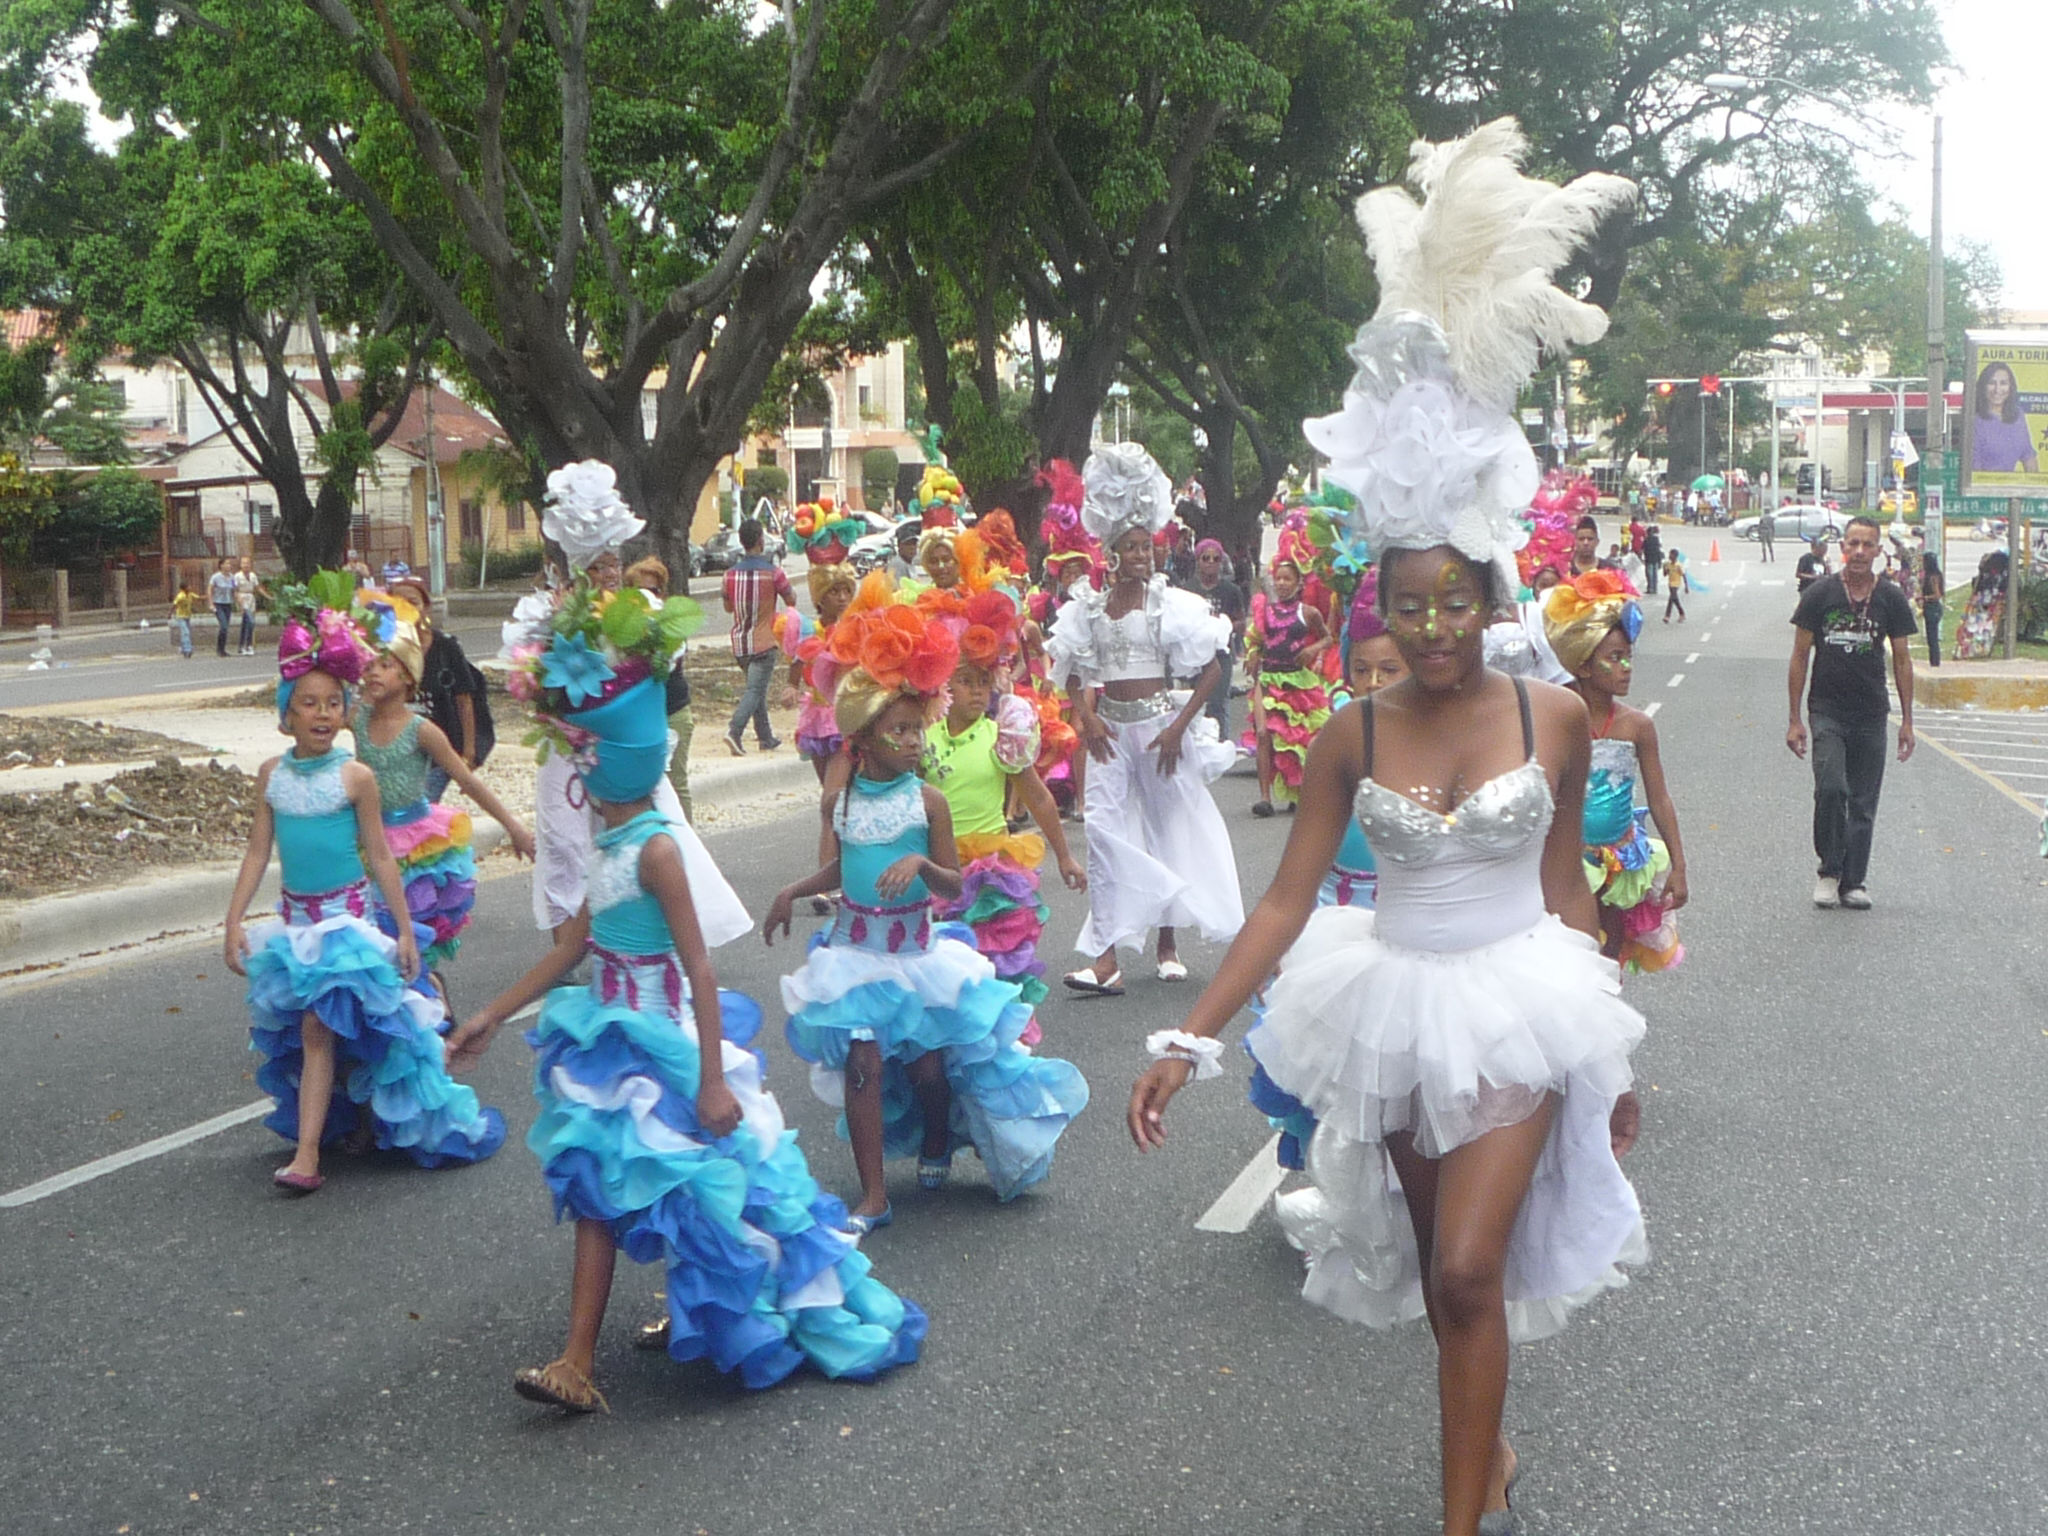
1710, 383
1664, 389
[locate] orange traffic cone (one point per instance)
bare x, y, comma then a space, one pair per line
1714, 553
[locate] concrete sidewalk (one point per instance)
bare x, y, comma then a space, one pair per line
726, 792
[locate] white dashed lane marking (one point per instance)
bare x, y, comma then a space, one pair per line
1676, 679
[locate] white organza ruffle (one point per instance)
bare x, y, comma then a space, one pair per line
937, 977
1374, 1039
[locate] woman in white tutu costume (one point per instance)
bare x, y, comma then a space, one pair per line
1467, 1036
1159, 854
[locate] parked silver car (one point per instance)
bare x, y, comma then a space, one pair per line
1797, 524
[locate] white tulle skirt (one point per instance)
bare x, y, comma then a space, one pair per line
1372, 1039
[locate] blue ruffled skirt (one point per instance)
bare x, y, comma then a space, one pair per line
1009, 1105
761, 1278
388, 1049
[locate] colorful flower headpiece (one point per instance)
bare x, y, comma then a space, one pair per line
392, 626
596, 646
1366, 620
1060, 524
883, 650
1578, 614
1559, 503
320, 634
998, 534
1294, 545
823, 532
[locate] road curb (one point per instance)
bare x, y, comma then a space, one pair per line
53, 931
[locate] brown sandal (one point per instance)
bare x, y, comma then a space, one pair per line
561, 1385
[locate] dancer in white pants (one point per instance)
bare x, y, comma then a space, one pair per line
1159, 855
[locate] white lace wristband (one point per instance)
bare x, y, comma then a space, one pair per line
1205, 1056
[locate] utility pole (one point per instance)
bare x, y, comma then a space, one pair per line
1934, 467
437, 525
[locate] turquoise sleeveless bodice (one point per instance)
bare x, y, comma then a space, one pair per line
315, 824
624, 915
877, 825
401, 769
1611, 792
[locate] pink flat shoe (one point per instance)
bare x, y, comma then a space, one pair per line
296, 1183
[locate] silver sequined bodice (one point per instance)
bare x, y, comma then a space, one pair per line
1456, 881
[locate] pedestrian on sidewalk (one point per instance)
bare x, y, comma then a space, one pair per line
1841, 626
1676, 585
220, 591
1767, 533
181, 617
1932, 606
247, 586
1653, 558
752, 588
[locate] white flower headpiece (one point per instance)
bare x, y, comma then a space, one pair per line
1427, 439
584, 512
1122, 488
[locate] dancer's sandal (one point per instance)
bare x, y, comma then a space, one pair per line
859, 1226
1172, 970
560, 1385
1086, 981
932, 1172
652, 1335
296, 1184
1502, 1522
1262, 809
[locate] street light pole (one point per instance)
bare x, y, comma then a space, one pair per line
1935, 466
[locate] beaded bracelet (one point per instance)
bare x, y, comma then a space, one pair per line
1205, 1056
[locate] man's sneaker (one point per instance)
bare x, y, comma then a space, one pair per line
1827, 892
1856, 899
738, 748
771, 744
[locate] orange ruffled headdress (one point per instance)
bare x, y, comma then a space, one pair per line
883, 651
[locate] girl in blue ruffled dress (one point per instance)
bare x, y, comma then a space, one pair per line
348, 1039
657, 1131
905, 1025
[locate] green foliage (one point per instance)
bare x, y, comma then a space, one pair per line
115, 510
331, 589
517, 561
26, 507
626, 618
84, 418
878, 468
770, 480
24, 392
990, 447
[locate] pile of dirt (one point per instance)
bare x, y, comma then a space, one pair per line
85, 835
53, 741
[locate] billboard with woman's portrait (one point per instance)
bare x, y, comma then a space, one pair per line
2005, 414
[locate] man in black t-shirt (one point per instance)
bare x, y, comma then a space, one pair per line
1841, 627
1812, 565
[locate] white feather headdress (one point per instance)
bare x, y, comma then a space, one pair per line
1427, 439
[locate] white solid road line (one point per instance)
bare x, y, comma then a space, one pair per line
85, 1173
1248, 1192
1676, 679
114, 1162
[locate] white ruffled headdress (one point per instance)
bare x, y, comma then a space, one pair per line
1427, 439
584, 512
1123, 488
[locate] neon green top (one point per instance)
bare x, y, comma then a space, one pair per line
966, 770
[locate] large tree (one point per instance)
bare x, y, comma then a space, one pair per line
590, 201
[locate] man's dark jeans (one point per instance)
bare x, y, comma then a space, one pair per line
753, 705
1218, 706
225, 613
1848, 772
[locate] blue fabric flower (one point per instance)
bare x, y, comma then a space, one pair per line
383, 624
572, 666
1631, 621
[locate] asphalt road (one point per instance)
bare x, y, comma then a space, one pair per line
1842, 1165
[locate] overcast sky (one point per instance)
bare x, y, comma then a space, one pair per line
1990, 112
